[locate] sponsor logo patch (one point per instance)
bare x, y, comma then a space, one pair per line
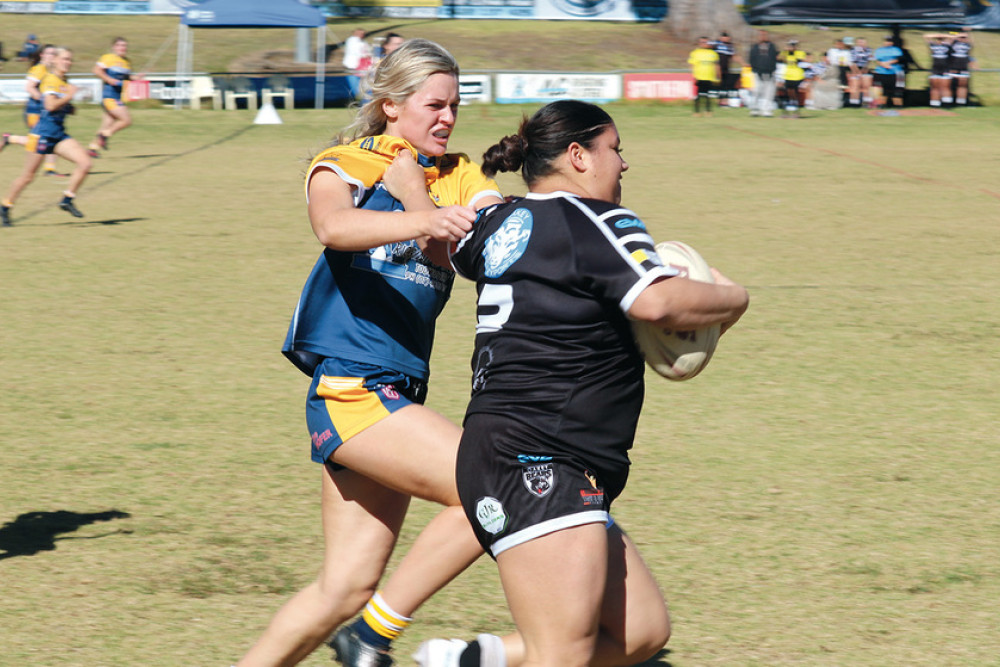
319, 438
538, 479
628, 223
491, 515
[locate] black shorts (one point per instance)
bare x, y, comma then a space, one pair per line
514, 489
888, 83
705, 86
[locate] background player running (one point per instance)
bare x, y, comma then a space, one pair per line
114, 69
41, 60
49, 136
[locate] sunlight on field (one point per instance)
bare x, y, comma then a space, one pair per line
825, 493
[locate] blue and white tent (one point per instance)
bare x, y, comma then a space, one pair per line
252, 14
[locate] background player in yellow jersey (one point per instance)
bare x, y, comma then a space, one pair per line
40, 63
49, 136
115, 70
792, 57
705, 68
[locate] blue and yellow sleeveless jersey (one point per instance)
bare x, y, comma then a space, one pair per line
379, 306
116, 67
36, 74
52, 123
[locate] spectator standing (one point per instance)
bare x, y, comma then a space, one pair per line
838, 57
860, 78
727, 55
888, 72
763, 59
704, 63
357, 60
960, 62
392, 42
939, 79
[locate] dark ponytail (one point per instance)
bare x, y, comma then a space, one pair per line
545, 136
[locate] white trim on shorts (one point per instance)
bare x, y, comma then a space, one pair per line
549, 526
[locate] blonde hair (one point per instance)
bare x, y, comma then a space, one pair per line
397, 76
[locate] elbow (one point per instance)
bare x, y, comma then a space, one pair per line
326, 236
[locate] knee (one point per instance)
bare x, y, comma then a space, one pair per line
85, 163
345, 596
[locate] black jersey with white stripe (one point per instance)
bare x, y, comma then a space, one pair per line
556, 275
861, 56
940, 55
961, 55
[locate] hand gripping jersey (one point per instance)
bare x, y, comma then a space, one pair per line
556, 275
378, 306
118, 68
36, 74
52, 123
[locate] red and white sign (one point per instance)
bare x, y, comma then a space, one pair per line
659, 86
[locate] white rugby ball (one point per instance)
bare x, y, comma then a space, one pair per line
678, 355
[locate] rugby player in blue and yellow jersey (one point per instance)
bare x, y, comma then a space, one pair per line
40, 63
49, 136
114, 69
384, 203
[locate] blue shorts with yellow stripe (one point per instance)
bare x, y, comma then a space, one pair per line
346, 397
44, 144
112, 103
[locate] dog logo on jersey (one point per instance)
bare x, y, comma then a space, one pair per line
506, 245
491, 515
538, 479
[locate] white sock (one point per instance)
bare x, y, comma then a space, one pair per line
491, 651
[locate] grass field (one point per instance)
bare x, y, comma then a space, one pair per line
826, 493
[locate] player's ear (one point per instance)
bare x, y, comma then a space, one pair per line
390, 109
579, 157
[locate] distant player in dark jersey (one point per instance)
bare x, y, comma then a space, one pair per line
939, 77
557, 389
363, 330
48, 136
859, 80
959, 63
114, 69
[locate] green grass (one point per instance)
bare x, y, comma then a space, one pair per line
825, 493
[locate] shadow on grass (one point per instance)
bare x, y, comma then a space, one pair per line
109, 221
658, 660
33, 532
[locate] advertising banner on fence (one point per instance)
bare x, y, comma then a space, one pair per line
659, 86
594, 10
475, 88
102, 7
28, 7
89, 90
516, 88
78, 7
